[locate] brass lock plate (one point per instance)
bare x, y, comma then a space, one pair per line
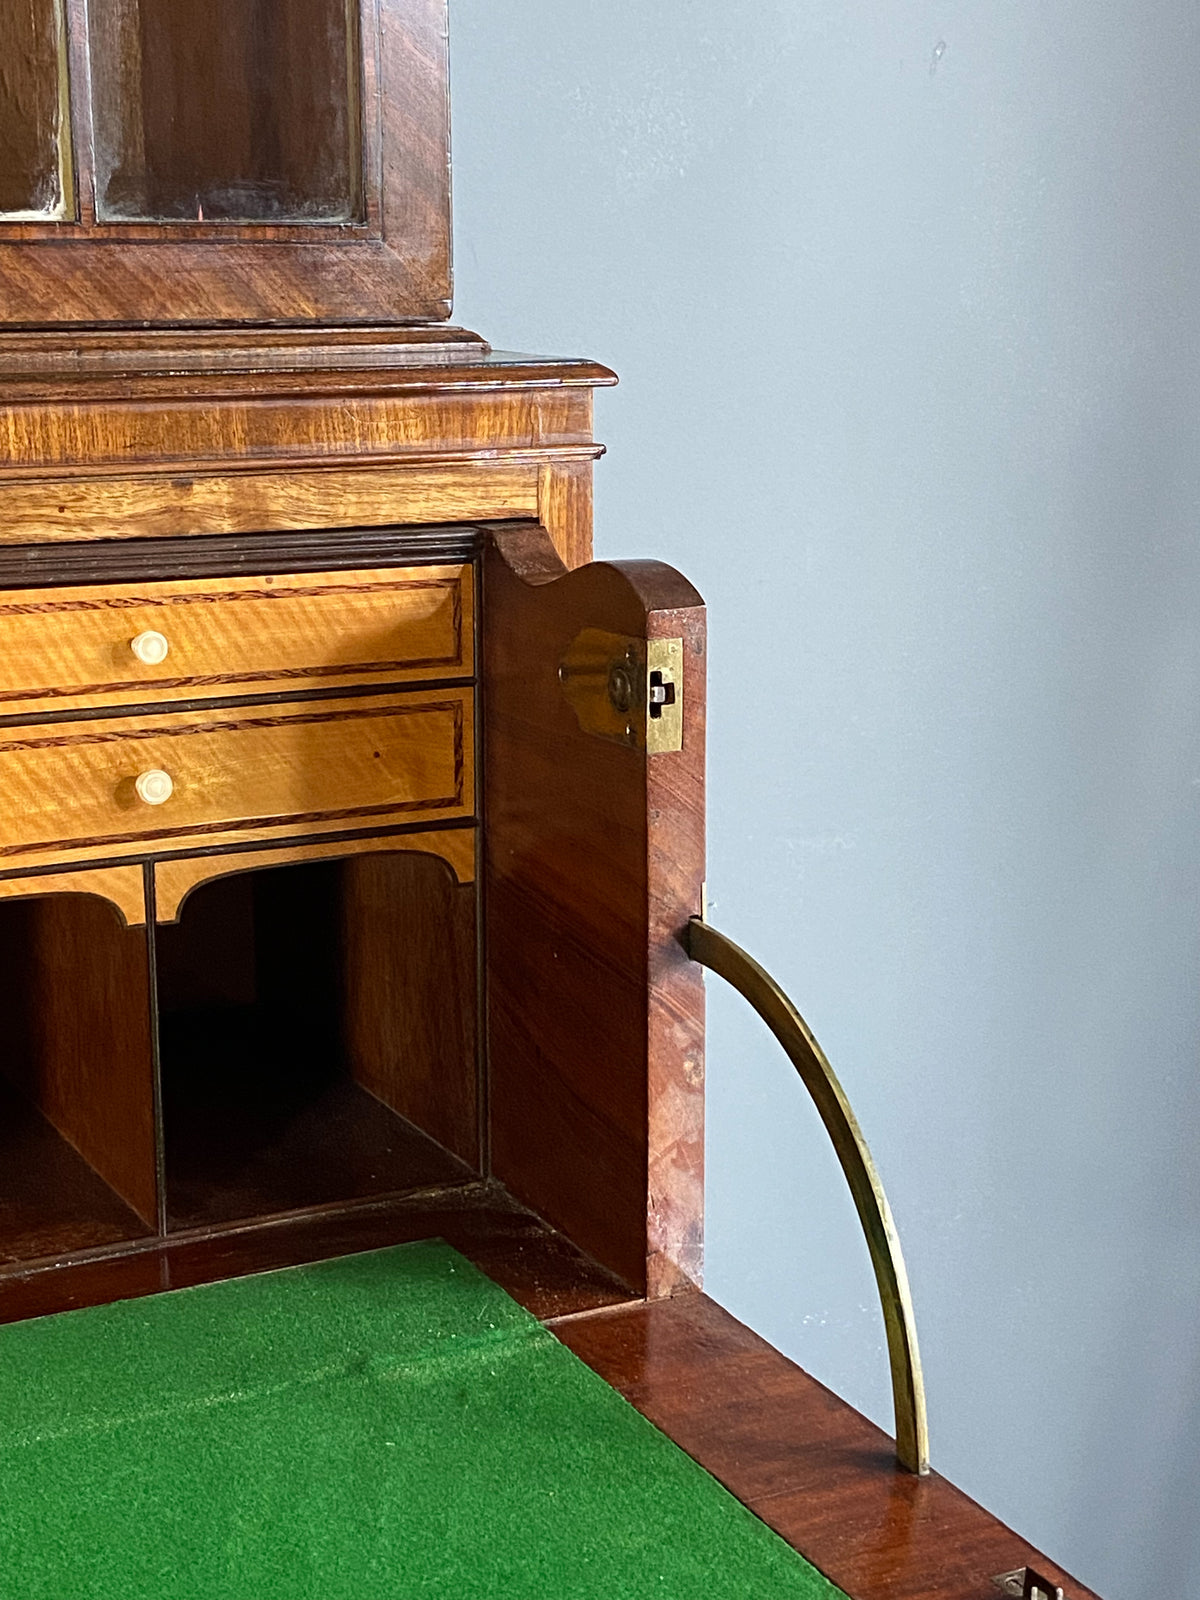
1026, 1584
625, 689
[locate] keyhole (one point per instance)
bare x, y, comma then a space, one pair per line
662, 693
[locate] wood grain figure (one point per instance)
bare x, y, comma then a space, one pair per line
77, 647
175, 879
410, 993
68, 791
142, 508
122, 887
816, 1471
594, 859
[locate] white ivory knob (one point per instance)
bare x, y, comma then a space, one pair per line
150, 647
155, 788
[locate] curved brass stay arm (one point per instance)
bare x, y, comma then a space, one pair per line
713, 950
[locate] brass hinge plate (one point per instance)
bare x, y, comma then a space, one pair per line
625, 689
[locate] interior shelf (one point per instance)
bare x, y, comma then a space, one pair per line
51, 1201
251, 1136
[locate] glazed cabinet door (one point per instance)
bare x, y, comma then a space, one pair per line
282, 160
35, 144
239, 111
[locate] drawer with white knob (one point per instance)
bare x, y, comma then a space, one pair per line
77, 648
111, 787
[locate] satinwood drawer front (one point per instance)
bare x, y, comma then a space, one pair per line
96, 646
113, 787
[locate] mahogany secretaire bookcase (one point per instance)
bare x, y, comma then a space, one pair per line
351, 821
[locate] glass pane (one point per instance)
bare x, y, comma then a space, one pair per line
226, 110
32, 84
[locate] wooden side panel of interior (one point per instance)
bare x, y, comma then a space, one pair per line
594, 863
411, 995
77, 1034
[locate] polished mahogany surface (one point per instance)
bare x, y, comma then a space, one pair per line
594, 856
542, 1270
816, 1471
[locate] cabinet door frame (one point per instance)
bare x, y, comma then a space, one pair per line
393, 267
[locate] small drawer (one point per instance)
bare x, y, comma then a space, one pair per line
135, 786
62, 649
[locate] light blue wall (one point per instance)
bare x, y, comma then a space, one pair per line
906, 303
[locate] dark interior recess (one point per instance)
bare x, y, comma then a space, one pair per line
316, 1043
281, 1088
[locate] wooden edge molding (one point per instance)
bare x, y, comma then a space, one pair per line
437, 552
175, 880
325, 375
280, 465
123, 887
72, 508
75, 353
322, 381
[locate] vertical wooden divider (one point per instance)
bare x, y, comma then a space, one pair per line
594, 861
